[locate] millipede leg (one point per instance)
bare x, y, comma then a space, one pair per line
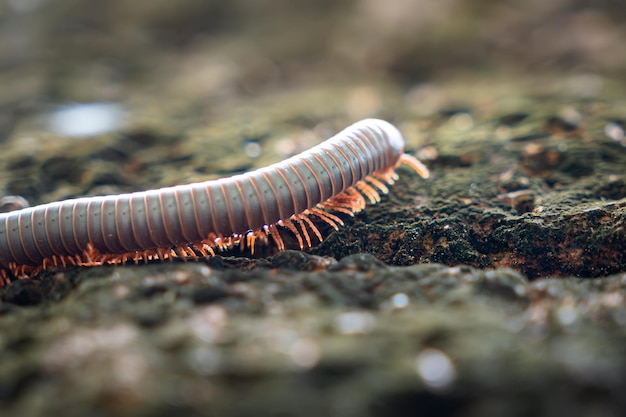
343, 203
305, 221
378, 184
292, 228
250, 239
329, 218
414, 163
359, 201
302, 225
272, 231
389, 176
369, 191
4, 278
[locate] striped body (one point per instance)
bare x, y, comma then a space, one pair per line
174, 216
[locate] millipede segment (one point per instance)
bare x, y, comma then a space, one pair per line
341, 175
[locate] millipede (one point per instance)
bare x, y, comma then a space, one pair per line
340, 175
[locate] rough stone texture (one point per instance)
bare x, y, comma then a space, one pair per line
496, 287
542, 195
233, 338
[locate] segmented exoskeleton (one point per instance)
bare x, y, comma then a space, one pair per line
197, 219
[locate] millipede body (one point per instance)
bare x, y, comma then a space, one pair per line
339, 175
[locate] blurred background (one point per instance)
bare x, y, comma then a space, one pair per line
103, 50
206, 78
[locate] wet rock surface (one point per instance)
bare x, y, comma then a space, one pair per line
495, 287
544, 203
353, 337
